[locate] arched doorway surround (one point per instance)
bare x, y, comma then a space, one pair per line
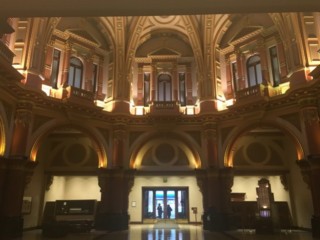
43, 131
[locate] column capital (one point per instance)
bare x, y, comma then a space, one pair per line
105, 176
19, 163
313, 161
307, 166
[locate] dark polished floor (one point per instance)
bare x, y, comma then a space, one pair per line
178, 232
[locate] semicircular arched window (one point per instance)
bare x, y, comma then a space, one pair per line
164, 88
254, 71
75, 73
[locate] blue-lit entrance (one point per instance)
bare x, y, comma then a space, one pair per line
165, 203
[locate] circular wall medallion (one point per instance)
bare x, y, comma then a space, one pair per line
75, 153
257, 153
164, 154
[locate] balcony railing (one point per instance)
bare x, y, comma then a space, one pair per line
255, 91
164, 107
79, 93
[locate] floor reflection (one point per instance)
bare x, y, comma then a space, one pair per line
149, 232
166, 232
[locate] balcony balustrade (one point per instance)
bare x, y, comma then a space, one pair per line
164, 107
256, 91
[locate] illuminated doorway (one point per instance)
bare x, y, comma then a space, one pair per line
175, 197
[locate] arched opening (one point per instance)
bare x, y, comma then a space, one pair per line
68, 159
268, 152
254, 71
165, 175
164, 88
75, 73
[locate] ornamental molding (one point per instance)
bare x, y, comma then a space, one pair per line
66, 35
235, 43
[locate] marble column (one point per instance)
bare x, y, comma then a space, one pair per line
215, 185
16, 174
310, 169
310, 166
115, 185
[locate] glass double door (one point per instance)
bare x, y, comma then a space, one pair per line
165, 203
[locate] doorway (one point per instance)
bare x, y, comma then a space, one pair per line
175, 198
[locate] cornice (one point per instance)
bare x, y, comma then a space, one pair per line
69, 35
41, 101
66, 35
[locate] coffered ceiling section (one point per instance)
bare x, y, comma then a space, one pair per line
43, 8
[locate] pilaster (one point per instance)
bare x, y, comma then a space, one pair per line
263, 61
65, 65
282, 58
88, 80
140, 84
119, 136
22, 122
48, 62
230, 90
210, 136
240, 69
189, 85
153, 81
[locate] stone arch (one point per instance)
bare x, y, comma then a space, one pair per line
179, 140
283, 126
108, 30
99, 142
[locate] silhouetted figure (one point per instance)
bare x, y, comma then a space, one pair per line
169, 210
159, 208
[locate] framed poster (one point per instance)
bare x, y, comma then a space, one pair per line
26, 205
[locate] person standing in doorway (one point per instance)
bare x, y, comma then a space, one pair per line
159, 208
169, 210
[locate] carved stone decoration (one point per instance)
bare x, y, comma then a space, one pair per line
23, 113
29, 170
49, 181
119, 135
200, 175
284, 181
23, 117
310, 115
130, 179
228, 175
305, 171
